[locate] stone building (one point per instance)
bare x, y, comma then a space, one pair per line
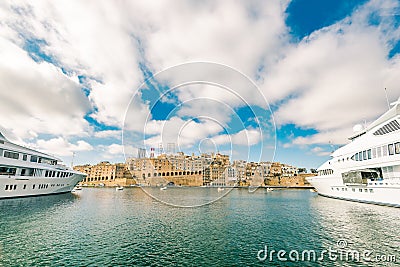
165, 169
106, 173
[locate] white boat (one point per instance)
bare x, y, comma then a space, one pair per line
368, 168
77, 188
27, 172
119, 188
269, 189
220, 189
163, 188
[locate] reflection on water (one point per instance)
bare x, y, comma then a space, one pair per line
104, 227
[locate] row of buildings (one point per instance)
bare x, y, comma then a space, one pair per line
192, 170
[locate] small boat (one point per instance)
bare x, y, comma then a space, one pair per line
163, 188
101, 185
77, 188
269, 189
119, 188
220, 189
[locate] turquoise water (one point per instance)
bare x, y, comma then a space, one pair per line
104, 227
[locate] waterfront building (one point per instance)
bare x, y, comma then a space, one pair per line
106, 173
177, 169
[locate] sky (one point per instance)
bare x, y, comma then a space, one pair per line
286, 81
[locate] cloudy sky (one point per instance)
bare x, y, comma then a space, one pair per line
242, 77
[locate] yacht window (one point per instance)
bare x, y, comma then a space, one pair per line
397, 148
374, 152
46, 174
384, 151
369, 153
364, 155
34, 158
356, 157
391, 149
24, 157
7, 171
379, 152
23, 172
11, 155
6, 187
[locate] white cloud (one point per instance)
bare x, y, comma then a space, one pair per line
320, 151
336, 77
108, 134
60, 146
36, 97
329, 81
245, 137
86, 38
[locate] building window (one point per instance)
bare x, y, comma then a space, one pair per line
34, 158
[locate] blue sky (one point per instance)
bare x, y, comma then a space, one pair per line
263, 80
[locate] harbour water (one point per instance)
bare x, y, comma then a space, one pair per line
105, 227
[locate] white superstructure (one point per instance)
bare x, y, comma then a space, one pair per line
367, 169
27, 172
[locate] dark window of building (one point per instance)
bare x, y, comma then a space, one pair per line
24, 157
24, 186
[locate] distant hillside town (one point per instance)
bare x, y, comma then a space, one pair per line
207, 169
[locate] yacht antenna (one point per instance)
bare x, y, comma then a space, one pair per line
387, 99
72, 160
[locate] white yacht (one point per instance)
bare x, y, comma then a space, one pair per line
368, 168
27, 172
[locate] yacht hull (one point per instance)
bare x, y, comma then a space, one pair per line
23, 186
383, 193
